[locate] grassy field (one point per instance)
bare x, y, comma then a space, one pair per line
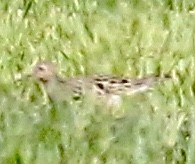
127, 38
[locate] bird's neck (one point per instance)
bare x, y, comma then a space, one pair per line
53, 80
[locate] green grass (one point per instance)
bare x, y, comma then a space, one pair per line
130, 38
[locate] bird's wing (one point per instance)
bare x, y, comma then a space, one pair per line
116, 85
108, 85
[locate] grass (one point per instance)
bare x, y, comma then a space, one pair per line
130, 38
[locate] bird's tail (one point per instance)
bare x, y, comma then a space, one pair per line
143, 84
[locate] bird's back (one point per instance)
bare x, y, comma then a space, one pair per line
105, 84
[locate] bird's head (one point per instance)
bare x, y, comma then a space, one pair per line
44, 71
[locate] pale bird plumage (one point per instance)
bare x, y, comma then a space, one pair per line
108, 87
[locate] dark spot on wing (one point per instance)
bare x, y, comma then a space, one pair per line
100, 85
98, 79
113, 81
124, 81
101, 79
77, 94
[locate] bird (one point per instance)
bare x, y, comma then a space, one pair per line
107, 87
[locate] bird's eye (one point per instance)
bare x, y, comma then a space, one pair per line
40, 68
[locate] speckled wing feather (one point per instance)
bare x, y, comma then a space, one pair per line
117, 86
103, 85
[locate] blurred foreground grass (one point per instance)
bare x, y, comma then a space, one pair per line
131, 38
